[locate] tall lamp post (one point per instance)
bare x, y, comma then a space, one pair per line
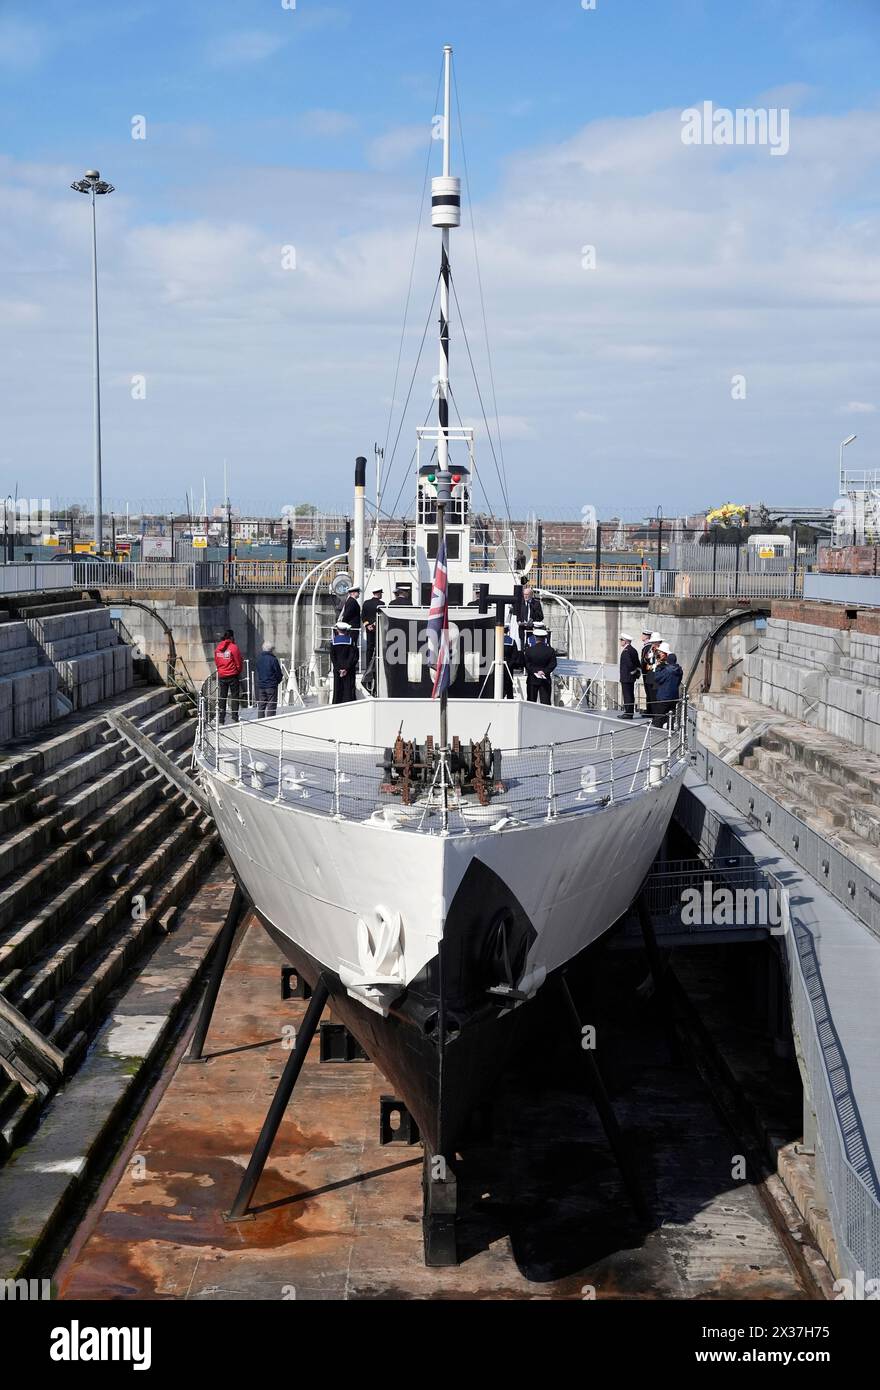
92, 184
6, 548
843, 443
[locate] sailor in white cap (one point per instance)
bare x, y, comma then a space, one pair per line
344, 661
370, 617
539, 662
351, 609
630, 670
667, 678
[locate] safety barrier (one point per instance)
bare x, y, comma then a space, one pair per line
32, 578
579, 580
345, 779
728, 584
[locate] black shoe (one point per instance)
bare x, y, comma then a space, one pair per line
626, 716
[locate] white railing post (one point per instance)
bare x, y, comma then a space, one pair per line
280, 764
336, 779
240, 747
611, 795
669, 740
551, 785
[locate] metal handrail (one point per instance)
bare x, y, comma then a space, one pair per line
556, 778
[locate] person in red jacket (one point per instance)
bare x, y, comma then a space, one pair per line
227, 659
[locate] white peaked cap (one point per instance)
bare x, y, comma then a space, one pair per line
655, 637
626, 637
665, 648
341, 624
540, 630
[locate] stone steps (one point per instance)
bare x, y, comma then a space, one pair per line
25, 887
22, 948
107, 945
87, 826
78, 1006
823, 779
32, 987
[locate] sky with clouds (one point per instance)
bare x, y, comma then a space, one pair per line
670, 324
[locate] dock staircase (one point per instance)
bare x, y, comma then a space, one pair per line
99, 846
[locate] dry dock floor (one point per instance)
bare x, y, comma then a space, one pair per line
339, 1216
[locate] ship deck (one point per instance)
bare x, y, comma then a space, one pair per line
275, 760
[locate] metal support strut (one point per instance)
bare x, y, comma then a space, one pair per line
254, 1171
237, 908
609, 1120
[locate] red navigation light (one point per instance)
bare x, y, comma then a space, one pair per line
456, 477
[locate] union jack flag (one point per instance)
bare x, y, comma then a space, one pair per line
438, 625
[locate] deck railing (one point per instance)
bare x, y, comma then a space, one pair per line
729, 584
345, 779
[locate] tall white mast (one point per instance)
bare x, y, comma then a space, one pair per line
445, 213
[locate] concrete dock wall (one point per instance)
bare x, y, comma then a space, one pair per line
827, 676
198, 620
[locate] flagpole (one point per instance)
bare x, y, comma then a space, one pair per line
445, 214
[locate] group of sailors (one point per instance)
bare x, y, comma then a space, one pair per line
533, 654
656, 665
658, 669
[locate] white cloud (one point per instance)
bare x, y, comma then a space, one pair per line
710, 262
243, 48
858, 408
397, 146
512, 428
22, 45
329, 124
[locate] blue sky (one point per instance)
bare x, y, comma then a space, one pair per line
269, 127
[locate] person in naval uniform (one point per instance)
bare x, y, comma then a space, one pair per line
539, 660
344, 661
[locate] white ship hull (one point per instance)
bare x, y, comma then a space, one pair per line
400, 921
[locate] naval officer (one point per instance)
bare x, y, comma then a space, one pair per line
344, 660
539, 660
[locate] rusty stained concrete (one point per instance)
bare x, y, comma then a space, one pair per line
544, 1215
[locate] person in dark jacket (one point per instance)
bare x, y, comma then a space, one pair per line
650, 647
370, 618
268, 681
667, 680
530, 610
630, 671
344, 660
229, 663
351, 610
539, 661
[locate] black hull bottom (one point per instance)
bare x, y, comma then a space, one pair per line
447, 1039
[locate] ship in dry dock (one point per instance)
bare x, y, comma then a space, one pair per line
434, 863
